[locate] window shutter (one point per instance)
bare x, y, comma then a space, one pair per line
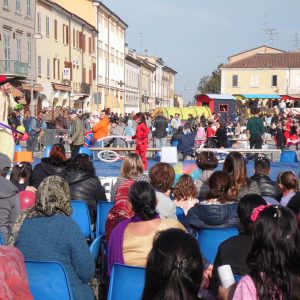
74, 38
84, 75
54, 68
90, 76
83, 43
90, 45
67, 35
55, 29
94, 71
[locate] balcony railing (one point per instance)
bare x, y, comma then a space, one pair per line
81, 88
13, 67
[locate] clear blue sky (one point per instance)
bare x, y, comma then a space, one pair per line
194, 36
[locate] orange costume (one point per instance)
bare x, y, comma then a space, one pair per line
141, 137
100, 130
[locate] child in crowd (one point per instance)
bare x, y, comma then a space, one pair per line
185, 193
288, 184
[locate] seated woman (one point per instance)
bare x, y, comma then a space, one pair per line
162, 177
55, 164
174, 267
84, 184
274, 258
240, 244
46, 232
185, 193
132, 170
235, 165
13, 276
219, 210
131, 240
206, 162
289, 185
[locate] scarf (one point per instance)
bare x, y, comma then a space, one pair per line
53, 198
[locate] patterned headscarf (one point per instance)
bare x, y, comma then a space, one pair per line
53, 198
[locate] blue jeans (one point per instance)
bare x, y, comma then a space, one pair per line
160, 142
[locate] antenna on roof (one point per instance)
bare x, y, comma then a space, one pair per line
295, 41
141, 36
271, 32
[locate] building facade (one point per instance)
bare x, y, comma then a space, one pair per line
263, 73
132, 82
17, 41
111, 58
66, 57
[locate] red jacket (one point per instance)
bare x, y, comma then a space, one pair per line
141, 134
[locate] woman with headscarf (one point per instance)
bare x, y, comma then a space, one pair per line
46, 232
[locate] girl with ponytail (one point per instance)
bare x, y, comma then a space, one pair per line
289, 185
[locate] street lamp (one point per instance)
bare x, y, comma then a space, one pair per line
36, 36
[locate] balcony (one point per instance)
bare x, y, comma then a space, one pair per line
81, 88
13, 67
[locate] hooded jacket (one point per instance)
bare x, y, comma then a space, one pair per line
48, 166
212, 216
86, 186
9, 206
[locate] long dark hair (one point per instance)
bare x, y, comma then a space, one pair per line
274, 259
143, 200
82, 162
21, 170
174, 267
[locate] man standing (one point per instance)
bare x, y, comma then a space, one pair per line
255, 130
175, 123
7, 103
35, 131
101, 128
77, 135
159, 129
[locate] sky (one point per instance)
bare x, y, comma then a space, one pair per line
194, 36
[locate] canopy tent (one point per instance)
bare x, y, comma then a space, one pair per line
184, 111
256, 96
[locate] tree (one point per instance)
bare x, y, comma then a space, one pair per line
210, 84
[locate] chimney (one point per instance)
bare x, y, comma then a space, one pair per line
134, 53
126, 48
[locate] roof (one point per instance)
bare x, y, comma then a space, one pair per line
268, 60
262, 46
219, 96
260, 96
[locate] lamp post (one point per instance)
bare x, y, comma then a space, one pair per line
33, 37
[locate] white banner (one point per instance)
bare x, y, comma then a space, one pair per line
108, 183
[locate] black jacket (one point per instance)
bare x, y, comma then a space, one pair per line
85, 186
222, 138
160, 124
212, 216
268, 187
48, 166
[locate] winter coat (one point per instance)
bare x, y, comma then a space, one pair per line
77, 133
160, 124
48, 166
207, 215
268, 187
9, 206
87, 187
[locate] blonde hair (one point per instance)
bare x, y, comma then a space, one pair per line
132, 166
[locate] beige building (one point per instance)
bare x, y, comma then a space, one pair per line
66, 56
272, 72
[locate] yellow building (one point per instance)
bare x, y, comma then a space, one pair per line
262, 73
66, 56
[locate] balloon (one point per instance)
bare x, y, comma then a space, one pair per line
24, 137
27, 199
19, 106
21, 128
186, 167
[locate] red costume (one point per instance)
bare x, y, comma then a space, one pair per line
141, 136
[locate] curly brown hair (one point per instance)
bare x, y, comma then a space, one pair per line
185, 188
162, 176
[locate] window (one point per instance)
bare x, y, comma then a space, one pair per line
29, 51
47, 26
235, 80
39, 66
48, 68
18, 6
65, 34
223, 107
19, 47
29, 11
38, 23
274, 80
94, 71
5, 4
6, 47
55, 30
74, 38
254, 81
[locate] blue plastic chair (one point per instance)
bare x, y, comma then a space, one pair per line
288, 157
47, 151
126, 282
81, 216
48, 281
180, 214
175, 143
103, 208
95, 247
210, 239
1, 239
237, 278
84, 150
18, 148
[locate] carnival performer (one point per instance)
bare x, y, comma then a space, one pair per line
7, 104
141, 137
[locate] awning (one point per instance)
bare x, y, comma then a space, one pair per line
287, 97
258, 96
111, 101
36, 87
61, 87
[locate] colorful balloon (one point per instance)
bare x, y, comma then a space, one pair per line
24, 137
21, 128
27, 199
